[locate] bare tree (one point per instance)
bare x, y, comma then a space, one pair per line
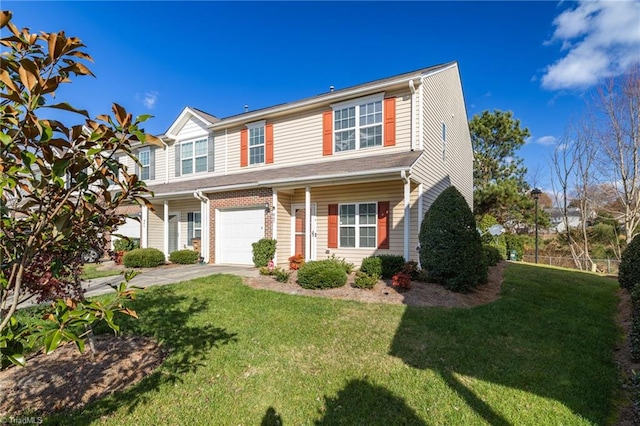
616, 108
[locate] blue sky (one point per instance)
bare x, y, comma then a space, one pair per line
538, 59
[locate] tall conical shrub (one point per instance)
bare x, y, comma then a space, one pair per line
450, 245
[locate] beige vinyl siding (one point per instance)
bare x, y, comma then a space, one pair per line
392, 191
298, 138
443, 102
283, 224
192, 129
155, 227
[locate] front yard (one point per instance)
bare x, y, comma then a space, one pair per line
541, 354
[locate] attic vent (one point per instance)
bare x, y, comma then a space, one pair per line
246, 108
331, 88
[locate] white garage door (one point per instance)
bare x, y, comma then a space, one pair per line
238, 229
131, 229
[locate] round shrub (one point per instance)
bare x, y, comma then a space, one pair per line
372, 266
391, 264
143, 258
184, 257
629, 272
321, 274
263, 251
450, 246
491, 255
364, 280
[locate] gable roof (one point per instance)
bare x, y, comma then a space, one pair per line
327, 97
274, 176
189, 112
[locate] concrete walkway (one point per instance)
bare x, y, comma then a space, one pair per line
167, 274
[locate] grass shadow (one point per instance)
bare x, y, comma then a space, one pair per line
363, 403
167, 316
551, 334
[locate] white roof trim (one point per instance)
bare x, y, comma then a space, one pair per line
182, 119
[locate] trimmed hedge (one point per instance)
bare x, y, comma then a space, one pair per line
184, 257
319, 274
365, 281
634, 335
491, 255
372, 266
263, 251
391, 264
450, 246
629, 272
143, 258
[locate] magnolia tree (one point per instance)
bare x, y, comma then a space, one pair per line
60, 190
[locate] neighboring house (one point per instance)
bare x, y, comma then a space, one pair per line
573, 218
349, 172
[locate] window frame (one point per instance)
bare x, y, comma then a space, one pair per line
194, 157
356, 104
357, 226
193, 228
253, 126
145, 167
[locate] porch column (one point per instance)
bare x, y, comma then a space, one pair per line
165, 228
274, 215
307, 224
204, 224
407, 217
144, 219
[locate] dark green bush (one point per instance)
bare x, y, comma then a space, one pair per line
411, 268
391, 264
281, 275
342, 263
124, 244
143, 258
450, 246
372, 266
263, 251
321, 274
515, 243
629, 272
364, 280
184, 257
491, 255
634, 335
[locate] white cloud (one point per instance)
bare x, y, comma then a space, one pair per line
150, 99
546, 140
601, 39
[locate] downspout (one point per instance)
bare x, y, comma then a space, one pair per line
204, 210
406, 178
413, 114
165, 227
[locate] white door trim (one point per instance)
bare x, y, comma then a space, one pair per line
313, 255
178, 214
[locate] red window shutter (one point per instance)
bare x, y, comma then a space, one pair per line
390, 122
383, 224
332, 241
244, 148
268, 130
327, 133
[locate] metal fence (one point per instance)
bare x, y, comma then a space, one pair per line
604, 266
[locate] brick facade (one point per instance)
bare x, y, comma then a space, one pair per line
237, 199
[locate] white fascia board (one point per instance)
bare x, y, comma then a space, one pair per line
341, 176
183, 117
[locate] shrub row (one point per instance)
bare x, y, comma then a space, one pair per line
143, 258
318, 274
491, 255
184, 257
629, 272
384, 265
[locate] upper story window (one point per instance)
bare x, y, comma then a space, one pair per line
357, 124
193, 156
256, 142
144, 157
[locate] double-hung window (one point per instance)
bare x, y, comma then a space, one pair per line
193, 156
358, 124
144, 157
358, 225
256, 143
194, 226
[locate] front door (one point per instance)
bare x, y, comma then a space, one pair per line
299, 231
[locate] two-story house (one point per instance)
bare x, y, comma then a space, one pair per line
350, 172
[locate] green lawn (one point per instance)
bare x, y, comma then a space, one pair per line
540, 355
91, 271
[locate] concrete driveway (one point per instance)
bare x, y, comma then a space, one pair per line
166, 275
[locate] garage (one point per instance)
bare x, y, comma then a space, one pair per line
131, 229
237, 230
